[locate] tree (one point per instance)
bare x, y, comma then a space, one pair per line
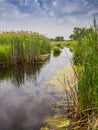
59, 38
89, 30
77, 32
80, 33
51, 39
62, 38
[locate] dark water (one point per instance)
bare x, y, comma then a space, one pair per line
25, 101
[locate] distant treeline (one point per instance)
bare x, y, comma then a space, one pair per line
58, 38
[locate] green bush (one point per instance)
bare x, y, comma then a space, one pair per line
56, 49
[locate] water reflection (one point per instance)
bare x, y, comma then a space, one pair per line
24, 99
56, 54
21, 111
18, 73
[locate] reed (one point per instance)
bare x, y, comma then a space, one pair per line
19, 47
68, 43
87, 61
82, 88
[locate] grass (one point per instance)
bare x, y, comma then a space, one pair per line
70, 44
86, 59
28, 47
4, 53
56, 49
83, 112
19, 47
86, 55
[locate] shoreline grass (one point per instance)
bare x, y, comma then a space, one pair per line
69, 43
83, 115
19, 47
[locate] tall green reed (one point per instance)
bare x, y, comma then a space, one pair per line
24, 46
86, 55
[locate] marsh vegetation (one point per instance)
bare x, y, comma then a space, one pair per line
25, 97
82, 86
78, 83
20, 47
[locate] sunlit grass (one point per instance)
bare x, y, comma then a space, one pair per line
83, 94
19, 47
86, 55
70, 44
4, 53
86, 59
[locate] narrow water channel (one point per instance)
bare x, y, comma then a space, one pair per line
25, 101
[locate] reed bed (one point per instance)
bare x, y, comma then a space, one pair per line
86, 59
20, 47
81, 89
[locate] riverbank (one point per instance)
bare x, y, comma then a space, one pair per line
34, 48
26, 98
83, 114
68, 43
23, 47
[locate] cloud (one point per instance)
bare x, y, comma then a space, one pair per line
42, 15
10, 11
54, 8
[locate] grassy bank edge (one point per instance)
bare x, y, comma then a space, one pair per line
23, 47
85, 114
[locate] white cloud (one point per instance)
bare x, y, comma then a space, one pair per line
54, 3
51, 13
9, 11
51, 17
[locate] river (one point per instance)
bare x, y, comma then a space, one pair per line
25, 101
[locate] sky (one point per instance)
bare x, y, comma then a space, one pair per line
49, 17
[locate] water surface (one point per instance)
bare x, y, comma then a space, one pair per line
25, 101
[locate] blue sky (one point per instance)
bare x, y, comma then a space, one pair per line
49, 17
